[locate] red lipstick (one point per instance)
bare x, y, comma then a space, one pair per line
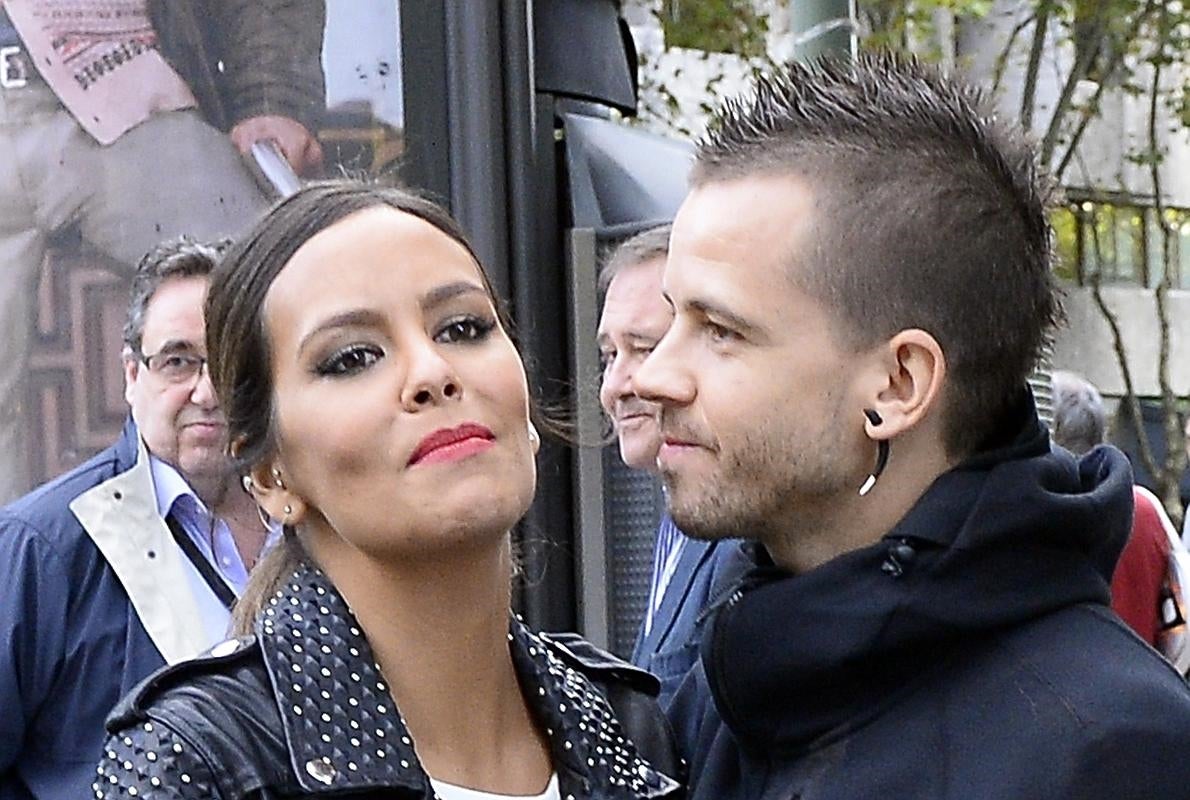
452, 444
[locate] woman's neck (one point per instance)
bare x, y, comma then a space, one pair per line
438, 627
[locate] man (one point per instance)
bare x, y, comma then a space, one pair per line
1145, 591
861, 283
685, 571
129, 561
125, 121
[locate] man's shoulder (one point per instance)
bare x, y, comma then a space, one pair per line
1079, 675
46, 509
1088, 657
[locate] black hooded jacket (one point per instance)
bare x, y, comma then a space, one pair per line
971, 653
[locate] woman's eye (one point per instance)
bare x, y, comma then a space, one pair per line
350, 360
464, 329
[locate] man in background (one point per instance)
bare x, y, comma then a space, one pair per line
685, 571
133, 559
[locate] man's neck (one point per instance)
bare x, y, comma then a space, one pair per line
851, 522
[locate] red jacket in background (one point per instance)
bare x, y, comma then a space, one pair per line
1137, 583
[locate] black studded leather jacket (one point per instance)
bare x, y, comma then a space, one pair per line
301, 710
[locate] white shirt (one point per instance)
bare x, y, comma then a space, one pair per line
448, 791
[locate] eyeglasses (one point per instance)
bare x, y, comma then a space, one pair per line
174, 367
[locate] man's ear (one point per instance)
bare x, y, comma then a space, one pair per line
271, 491
914, 375
131, 373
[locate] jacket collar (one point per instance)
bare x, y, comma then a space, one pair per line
344, 733
120, 516
1008, 536
695, 553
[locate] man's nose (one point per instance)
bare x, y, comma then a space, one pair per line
663, 376
203, 393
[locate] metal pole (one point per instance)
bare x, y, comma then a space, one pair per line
821, 27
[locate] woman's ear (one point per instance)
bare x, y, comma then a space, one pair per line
272, 492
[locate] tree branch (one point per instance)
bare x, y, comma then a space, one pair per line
1175, 457
1003, 56
1082, 65
1092, 109
1029, 94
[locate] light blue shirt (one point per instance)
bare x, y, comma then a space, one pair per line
670, 543
214, 540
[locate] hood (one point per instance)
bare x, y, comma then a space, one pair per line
1007, 536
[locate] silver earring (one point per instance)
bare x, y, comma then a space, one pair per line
246, 482
277, 478
288, 509
264, 519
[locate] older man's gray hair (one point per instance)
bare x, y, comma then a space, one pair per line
1080, 421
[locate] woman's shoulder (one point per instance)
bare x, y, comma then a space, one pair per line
598, 664
630, 692
183, 726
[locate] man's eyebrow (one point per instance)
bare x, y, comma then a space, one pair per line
356, 317
732, 319
177, 346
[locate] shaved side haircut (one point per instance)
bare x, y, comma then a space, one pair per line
929, 213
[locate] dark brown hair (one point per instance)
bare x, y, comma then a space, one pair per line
238, 344
929, 214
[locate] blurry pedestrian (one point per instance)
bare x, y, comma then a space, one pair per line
1145, 588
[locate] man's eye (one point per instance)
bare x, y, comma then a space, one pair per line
464, 329
606, 359
720, 334
350, 360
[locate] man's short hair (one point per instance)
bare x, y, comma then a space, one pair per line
1080, 421
183, 257
929, 214
645, 246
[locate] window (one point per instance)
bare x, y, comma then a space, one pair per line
1122, 243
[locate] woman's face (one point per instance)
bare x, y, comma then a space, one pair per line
401, 404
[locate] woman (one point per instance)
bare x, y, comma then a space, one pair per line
379, 410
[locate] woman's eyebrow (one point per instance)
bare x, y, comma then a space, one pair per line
448, 291
356, 317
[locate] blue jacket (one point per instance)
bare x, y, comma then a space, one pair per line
969, 654
704, 571
86, 612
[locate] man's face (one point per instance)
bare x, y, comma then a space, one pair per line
180, 421
761, 419
635, 317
